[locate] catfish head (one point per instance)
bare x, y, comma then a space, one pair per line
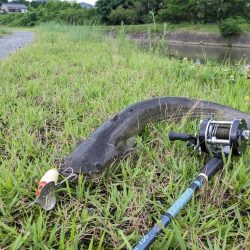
90, 159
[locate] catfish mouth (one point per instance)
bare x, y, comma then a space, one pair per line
73, 177
69, 175
90, 159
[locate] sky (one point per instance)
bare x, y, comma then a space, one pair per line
88, 1
79, 1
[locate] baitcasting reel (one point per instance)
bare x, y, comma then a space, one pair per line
218, 136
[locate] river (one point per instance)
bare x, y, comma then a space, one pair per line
200, 54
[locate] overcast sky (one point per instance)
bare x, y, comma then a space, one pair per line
88, 1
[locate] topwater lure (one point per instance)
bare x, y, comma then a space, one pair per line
45, 193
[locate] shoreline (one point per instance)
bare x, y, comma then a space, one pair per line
191, 38
209, 39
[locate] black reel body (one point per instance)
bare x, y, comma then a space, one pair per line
215, 135
218, 136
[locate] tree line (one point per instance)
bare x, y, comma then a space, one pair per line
51, 11
116, 12
175, 11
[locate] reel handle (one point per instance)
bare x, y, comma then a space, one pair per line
173, 136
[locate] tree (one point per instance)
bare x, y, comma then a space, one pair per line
144, 7
174, 11
120, 14
104, 8
229, 27
108, 10
134, 11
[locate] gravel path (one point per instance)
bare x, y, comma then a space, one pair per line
18, 39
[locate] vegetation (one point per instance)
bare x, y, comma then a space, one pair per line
67, 84
115, 12
4, 31
170, 27
176, 11
164, 27
229, 27
57, 11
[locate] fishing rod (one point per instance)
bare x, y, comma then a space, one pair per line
217, 138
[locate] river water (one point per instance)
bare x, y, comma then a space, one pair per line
200, 53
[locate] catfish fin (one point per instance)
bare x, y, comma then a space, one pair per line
128, 152
130, 143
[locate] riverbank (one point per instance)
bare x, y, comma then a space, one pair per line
196, 38
190, 38
160, 28
187, 34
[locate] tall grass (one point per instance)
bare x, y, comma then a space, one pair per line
76, 33
62, 88
159, 27
4, 31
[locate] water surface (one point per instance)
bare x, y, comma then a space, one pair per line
201, 54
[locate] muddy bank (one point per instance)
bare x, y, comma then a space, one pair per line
194, 38
11, 43
209, 39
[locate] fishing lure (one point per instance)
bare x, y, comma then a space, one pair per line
46, 190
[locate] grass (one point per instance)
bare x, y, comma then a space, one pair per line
4, 31
65, 85
245, 27
168, 27
158, 28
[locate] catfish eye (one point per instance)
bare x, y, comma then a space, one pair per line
97, 164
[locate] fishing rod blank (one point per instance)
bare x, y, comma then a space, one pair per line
216, 137
211, 167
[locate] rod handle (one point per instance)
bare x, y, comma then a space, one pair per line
173, 136
213, 166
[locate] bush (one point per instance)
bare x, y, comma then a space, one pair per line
240, 19
18, 19
118, 15
174, 14
230, 27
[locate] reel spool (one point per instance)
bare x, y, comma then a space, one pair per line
218, 136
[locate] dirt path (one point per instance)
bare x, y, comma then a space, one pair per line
18, 39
